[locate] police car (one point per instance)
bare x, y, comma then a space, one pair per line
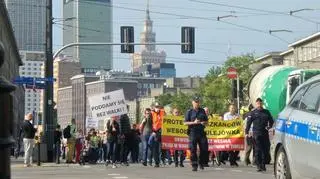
297, 135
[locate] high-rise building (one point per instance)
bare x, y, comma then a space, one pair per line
32, 67
148, 53
63, 70
28, 19
88, 21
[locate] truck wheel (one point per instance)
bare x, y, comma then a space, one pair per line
282, 168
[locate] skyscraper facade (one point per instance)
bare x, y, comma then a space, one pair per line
28, 20
148, 53
33, 67
88, 21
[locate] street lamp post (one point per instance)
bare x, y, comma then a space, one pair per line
6, 139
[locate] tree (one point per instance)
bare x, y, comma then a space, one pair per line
216, 90
181, 101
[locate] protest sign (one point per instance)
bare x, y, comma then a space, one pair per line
222, 135
108, 104
91, 123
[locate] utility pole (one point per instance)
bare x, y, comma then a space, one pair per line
48, 93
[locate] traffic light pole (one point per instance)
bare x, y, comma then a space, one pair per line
109, 43
238, 93
48, 93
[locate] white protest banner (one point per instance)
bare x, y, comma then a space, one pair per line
108, 104
91, 123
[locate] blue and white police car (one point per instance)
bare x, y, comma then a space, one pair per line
297, 135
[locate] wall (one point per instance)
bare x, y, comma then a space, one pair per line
10, 68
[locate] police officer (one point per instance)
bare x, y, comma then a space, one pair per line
262, 121
196, 119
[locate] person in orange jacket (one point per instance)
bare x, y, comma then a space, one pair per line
157, 117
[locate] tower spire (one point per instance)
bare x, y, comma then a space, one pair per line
148, 11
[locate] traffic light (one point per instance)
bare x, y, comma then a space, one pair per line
127, 36
234, 89
188, 36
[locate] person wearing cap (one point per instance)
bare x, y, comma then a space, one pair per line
157, 118
261, 121
196, 120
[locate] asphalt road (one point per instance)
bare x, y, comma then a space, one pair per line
134, 171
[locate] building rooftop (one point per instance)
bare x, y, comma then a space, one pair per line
286, 52
267, 56
304, 40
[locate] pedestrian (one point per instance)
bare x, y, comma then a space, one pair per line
94, 148
125, 129
157, 118
146, 130
70, 134
104, 146
28, 139
79, 144
196, 120
113, 131
249, 140
134, 141
262, 121
179, 155
57, 143
232, 115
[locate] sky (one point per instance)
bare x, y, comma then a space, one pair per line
245, 31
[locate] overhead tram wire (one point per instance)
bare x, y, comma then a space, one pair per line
202, 18
254, 9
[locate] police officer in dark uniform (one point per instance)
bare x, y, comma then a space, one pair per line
196, 119
262, 121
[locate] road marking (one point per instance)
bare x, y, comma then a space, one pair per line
219, 169
119, 177
113, 174
239, 171
86, 166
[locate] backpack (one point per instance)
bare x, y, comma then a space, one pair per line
66, 132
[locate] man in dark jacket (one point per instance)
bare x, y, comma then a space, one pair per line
125, 129
262, 121
28, 139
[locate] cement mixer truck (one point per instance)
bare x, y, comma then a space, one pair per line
275, 85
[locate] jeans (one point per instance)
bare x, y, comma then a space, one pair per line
155, 147
57, 150
105, 151
113, 147
146, 148
28, 149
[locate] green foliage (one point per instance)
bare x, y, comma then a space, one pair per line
180, 101
215, 91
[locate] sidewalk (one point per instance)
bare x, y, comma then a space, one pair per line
18, 163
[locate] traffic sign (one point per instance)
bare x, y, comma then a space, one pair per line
232, 73
32, 80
